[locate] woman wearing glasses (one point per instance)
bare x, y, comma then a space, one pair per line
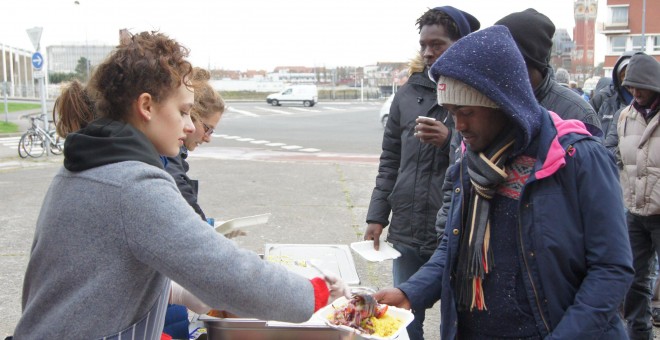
205, 114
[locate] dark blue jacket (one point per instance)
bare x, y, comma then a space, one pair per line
572, 239
178, 167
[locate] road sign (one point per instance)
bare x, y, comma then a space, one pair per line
35, 36
37, 74
37, 60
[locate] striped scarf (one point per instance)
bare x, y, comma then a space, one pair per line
475, 256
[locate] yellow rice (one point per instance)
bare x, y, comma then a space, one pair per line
386, 325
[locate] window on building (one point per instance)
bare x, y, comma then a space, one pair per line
618, 44
638, 43
619, 15
656, 43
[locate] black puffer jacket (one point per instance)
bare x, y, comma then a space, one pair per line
178, 168
410, 175
564, 102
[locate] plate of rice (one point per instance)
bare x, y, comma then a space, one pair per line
386, 322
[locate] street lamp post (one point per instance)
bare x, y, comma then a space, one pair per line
86, 56
644, 25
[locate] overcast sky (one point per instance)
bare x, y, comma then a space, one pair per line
261, 34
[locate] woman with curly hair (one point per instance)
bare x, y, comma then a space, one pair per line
102, 260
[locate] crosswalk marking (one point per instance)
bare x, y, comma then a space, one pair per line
263, 109
10, 141
333, 108
266, 109
304, 110
243, 112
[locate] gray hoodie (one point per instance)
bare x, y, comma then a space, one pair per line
643, 73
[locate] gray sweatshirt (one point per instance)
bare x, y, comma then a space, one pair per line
109, 237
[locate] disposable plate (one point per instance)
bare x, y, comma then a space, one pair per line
403, 314
366, 250
241, 222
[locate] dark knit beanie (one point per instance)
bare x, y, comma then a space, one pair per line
533, 33
465, 21
490, 62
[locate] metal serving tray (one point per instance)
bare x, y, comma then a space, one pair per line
253, 329
331, 258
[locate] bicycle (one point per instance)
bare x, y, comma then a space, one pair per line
34, 141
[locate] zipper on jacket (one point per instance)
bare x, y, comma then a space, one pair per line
536, 294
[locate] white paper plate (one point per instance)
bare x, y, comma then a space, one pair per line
403, 314
224, 227
366, 250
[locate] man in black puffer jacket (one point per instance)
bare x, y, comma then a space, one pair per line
533, 32
416, 154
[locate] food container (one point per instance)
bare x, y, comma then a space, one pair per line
254, 329
367, 251
405, 316
330, 258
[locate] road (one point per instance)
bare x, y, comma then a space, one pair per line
328, 127
313, 169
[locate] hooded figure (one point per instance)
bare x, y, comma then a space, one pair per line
533, 32
536, 244
614, 97
415, 155
638, 129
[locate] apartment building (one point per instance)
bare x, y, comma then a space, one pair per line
16, 78
630, 25
64, 58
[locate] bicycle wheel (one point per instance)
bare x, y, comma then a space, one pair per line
21, 146
56, 144
32, 144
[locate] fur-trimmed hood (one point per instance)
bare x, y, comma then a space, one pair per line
416, 64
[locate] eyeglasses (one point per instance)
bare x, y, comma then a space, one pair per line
207, 129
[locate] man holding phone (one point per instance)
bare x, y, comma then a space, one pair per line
415, 154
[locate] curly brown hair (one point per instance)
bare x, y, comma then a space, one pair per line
147, 62
73, 109
207, 100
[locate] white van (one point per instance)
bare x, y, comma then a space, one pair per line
308, 95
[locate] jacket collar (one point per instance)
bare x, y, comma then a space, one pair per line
422, 79
544, 88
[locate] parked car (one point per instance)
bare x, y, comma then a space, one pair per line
307, 95
385, 110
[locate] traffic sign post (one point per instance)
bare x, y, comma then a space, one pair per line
35, 36
37, 63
